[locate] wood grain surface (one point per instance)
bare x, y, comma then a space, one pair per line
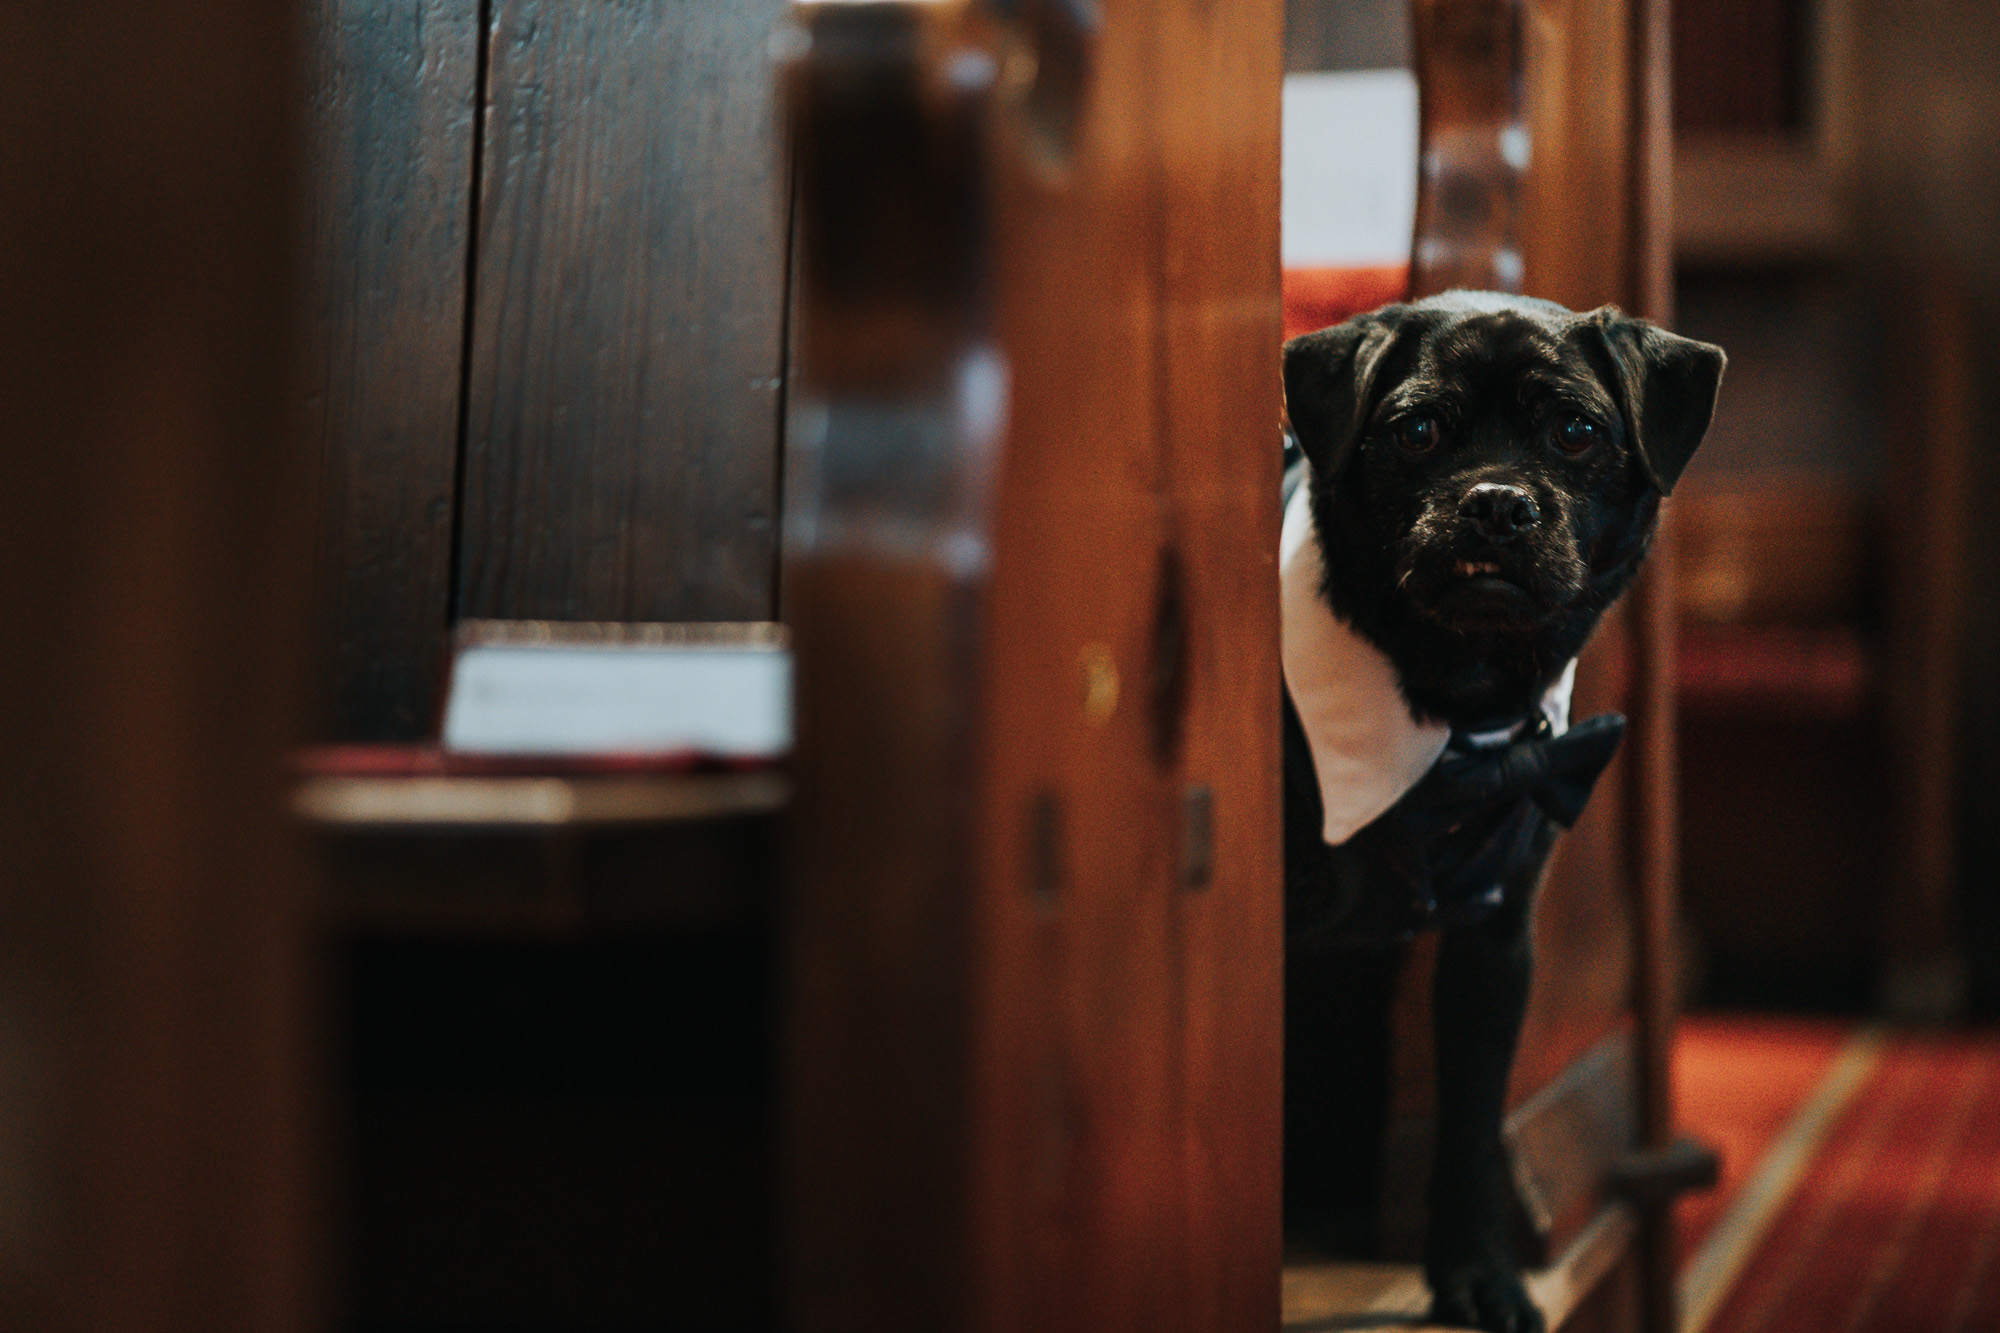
627, 327
1109, 1105
393, 83
1217, 393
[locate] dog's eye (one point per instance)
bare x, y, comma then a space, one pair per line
1577, 435
1417, 435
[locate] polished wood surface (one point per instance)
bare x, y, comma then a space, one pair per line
155, 1149
1073, 799
880, 955
1218, 147
1576, 223
549, 287
627, 317
393, 89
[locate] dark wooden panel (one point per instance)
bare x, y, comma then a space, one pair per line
1929, 214
394, 83
1932, 498
1789, 551
152, 1155
621, 452
1219, 309
1742, 66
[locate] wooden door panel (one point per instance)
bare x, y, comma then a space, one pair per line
627, 330
393, 88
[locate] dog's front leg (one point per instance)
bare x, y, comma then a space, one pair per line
1480, 998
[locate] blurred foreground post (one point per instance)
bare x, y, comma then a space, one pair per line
151, 1153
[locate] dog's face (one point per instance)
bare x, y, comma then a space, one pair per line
1488, 469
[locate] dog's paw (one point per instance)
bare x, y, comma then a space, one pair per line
1484, 1298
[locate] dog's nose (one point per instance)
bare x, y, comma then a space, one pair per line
1500, 512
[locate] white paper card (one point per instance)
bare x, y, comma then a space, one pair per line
1349, 169
732, 701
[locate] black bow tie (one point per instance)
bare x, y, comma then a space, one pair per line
1446, 853
1557, 772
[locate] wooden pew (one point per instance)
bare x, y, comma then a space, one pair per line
550, 265
1030, 953
527, 409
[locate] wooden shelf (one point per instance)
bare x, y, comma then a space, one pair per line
530, 804
535, 853
1322, 1297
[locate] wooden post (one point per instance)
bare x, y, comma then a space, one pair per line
1651, 824
1934, 444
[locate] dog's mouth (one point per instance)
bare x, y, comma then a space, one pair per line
1473, 591
1470, 575
1458, 579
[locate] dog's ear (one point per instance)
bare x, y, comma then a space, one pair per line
1329, 382
1667, 386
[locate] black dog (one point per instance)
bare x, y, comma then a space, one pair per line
1485, 479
